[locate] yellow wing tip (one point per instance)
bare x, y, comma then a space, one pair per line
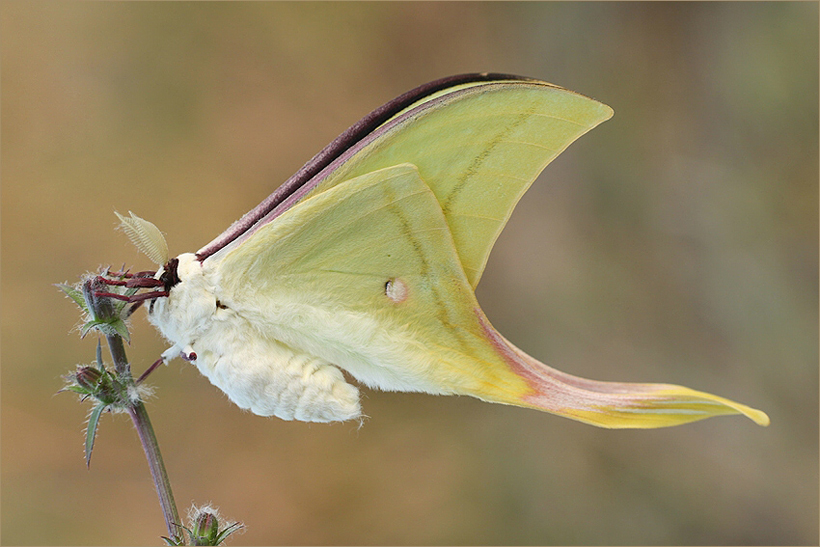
651, 409
694, 399
758, 416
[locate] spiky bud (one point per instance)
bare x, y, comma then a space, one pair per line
205, 530
88, 378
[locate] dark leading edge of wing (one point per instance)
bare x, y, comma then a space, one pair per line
354, 134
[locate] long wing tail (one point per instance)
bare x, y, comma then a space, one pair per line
609, 404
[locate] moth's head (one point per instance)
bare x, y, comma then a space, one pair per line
184, 268
169, 274
188, 304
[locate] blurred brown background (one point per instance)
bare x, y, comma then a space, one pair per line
675, 243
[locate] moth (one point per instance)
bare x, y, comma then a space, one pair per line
366, 260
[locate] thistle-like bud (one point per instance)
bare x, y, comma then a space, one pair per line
101, 308
100, 384
205, 530
88, 378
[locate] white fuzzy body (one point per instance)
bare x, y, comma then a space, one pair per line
269, 357
257, 372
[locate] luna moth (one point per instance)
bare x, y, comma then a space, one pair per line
366, 261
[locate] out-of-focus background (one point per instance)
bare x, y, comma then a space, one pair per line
678, 242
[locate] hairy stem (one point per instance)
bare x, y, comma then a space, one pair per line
139, 415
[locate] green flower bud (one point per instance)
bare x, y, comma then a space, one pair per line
205, 526
88, 378
91, 381
206, 529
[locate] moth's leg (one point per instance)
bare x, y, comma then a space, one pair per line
132, 282
127, 274
140, 297
149, 370
136, 281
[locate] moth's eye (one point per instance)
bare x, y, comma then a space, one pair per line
396, 290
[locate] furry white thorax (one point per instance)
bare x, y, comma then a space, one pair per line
269, 357
257, 372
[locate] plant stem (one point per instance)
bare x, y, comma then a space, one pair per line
149, 443
142, 423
